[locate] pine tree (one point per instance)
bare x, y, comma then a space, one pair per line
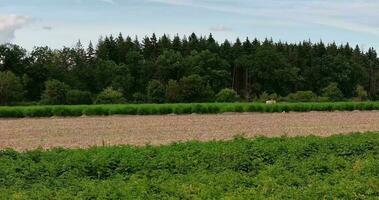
147, 48
212, 45
177, 43
154, 46
164, 43
90, 52
373, 72
193, 42
247, 46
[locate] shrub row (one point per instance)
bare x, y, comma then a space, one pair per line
161, 109
338, 167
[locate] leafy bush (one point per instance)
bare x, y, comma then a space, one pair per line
77, 97
173, 91
194, 89
361, 93
332, 92
337, 167
55, 92
139, 97
110, 96
266, 97
302, 96
11, 90
227, 95
156, 92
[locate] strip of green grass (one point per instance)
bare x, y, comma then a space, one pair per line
338, 167
160, 109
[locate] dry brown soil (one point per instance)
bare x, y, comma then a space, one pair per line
82, 132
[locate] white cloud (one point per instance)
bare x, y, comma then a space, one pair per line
9, 24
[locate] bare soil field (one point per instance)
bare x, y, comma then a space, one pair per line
83, 132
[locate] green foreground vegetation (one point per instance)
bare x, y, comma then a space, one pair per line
338, 167
161, 109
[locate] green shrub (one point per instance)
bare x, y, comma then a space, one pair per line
65, 111
155, 109
194, 89
8, 112
332, 92
139, 97
156, 92
11, 90
302, 96
165, 109
173, 92
183, 109
227, 95
266, 97
96, 111
55, 93
77, 97
123, 110
361, 93
38, 111
110, 96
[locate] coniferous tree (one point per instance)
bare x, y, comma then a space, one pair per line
91, 54
177, 44
250, 67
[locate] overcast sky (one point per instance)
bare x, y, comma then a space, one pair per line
58, 23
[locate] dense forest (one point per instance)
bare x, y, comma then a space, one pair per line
187, 69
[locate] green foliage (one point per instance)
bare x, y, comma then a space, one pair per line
172, 91
266, 97
361, 93
227, 95
55, 92
194, 89
158, 109
170, 65
110, 96
208, 94
156, 92
302, 96
337, 167
78, 97
211, 68
274, 96
332, 92
11, 90
139, 97
249, 67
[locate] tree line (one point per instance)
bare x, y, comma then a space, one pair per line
187, 69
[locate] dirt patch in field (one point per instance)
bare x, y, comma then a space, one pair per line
82, 132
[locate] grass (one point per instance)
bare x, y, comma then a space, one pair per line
159, 109
338, 167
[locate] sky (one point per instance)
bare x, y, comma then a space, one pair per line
58, 23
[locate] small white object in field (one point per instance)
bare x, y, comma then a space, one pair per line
271, 102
